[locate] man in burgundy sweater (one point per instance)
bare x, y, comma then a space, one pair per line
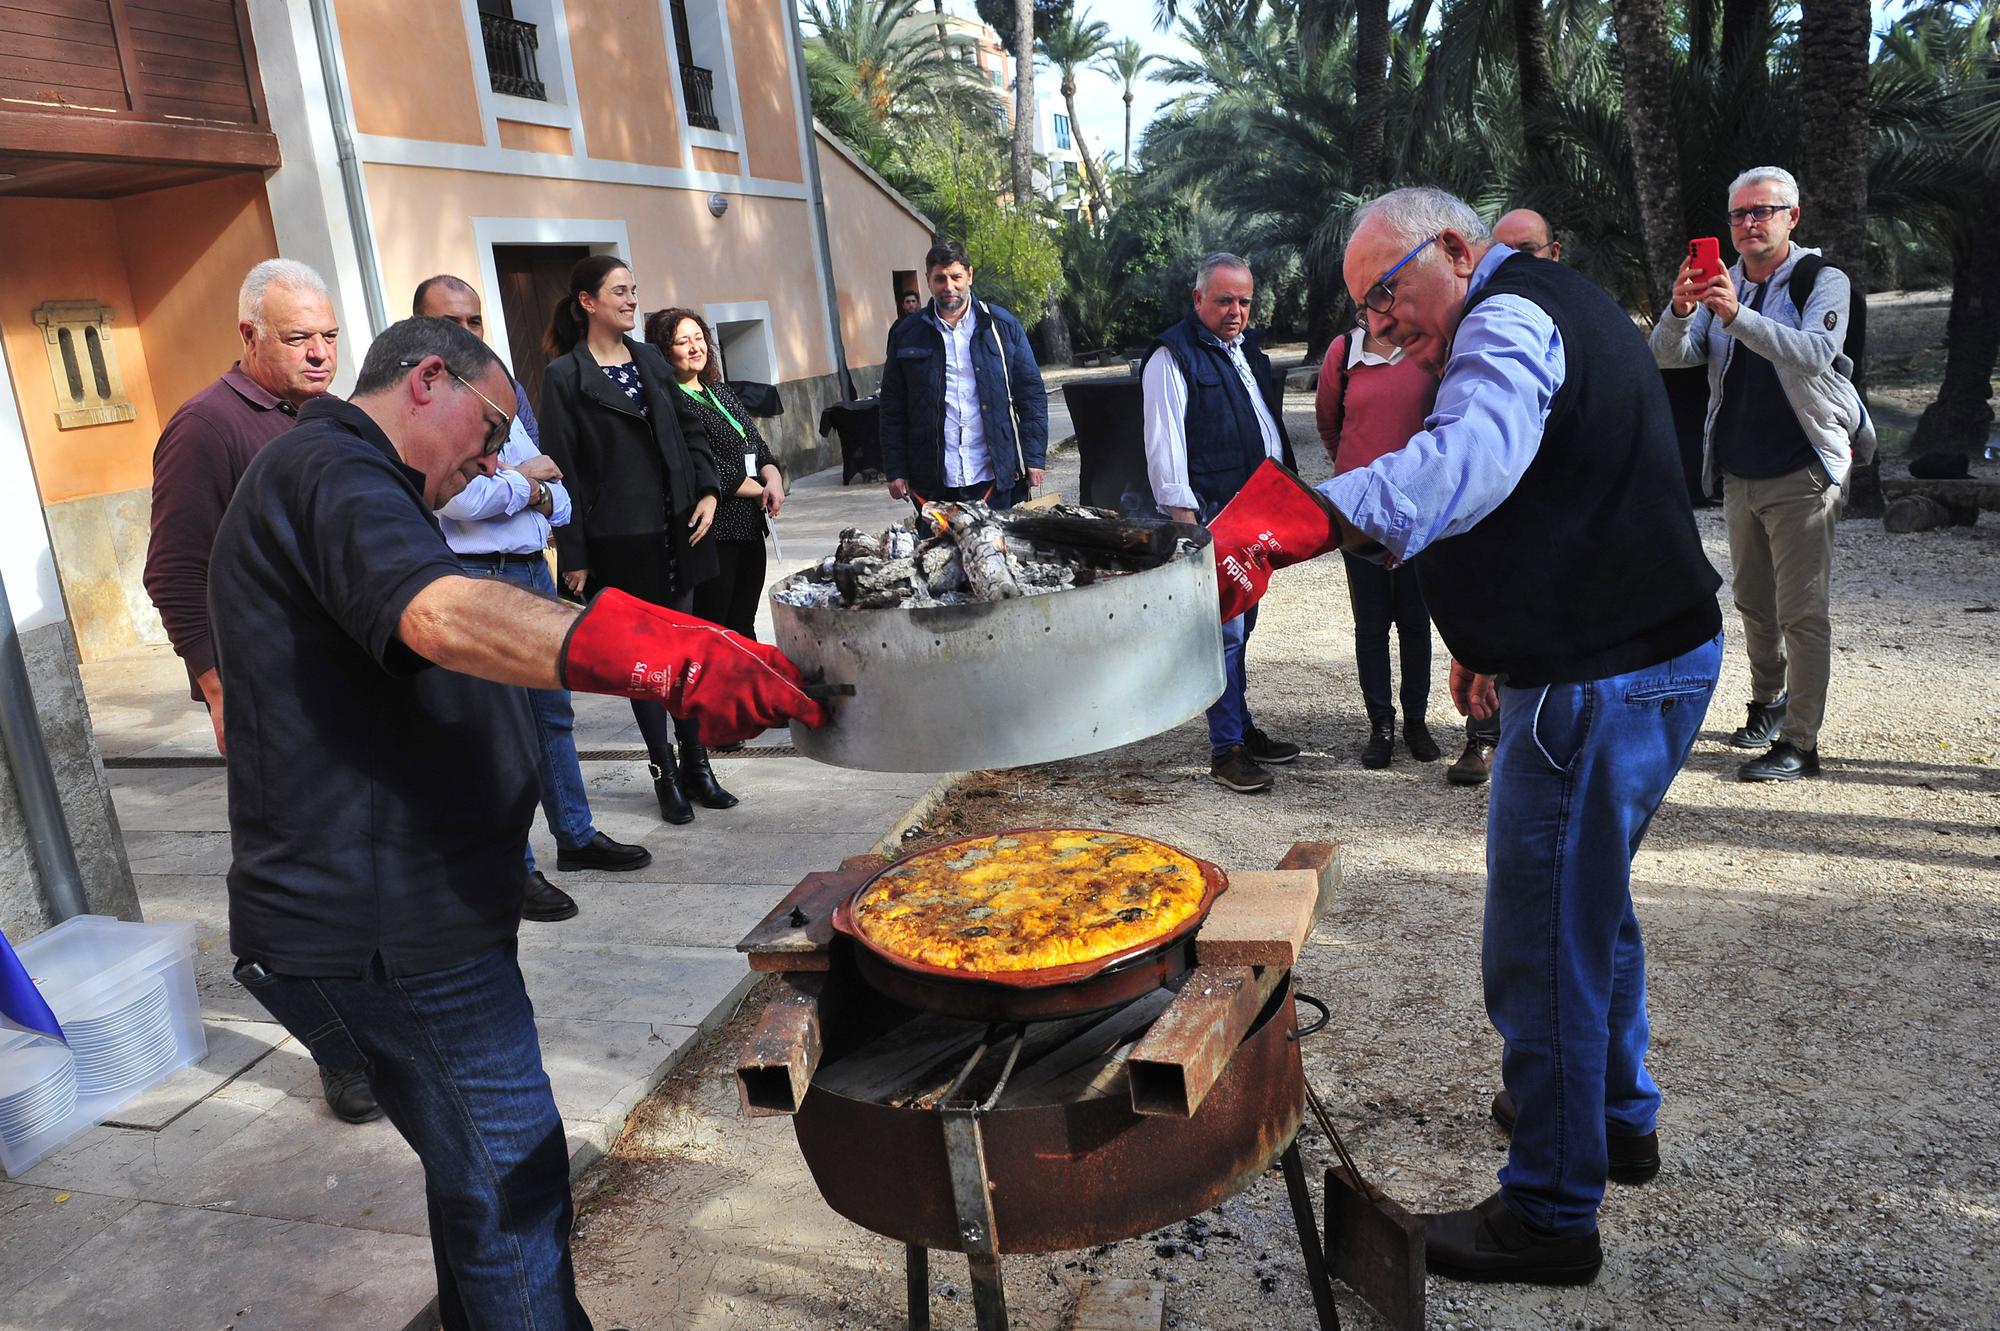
289, 357
290, 353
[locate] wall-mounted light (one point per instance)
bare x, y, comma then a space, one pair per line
718, 204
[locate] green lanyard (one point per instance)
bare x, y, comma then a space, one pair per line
705, 394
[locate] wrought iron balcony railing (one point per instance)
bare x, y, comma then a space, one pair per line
511, 47
698, 86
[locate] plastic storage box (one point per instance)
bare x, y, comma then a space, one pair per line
125, 996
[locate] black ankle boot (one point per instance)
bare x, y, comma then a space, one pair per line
698, 778
1381, 744
674, 805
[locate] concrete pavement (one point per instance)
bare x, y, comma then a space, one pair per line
229, 1197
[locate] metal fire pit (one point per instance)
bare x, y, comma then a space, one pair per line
1008, 683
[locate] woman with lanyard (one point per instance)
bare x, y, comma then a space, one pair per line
643, 488
751, 482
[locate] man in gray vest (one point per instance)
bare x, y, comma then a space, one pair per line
1783, 420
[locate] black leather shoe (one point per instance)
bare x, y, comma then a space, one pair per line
1766, 720
1491, 1243
698, 778
1474, 766
1632, 1160
601, 852
1417, 739
1381, 746
1785, 762
674, 806
1268, 751
546, 903
349, 1095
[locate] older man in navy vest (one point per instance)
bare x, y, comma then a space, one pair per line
1214, 412
1561, 564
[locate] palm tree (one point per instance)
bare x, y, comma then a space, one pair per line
1125, 62
1071, 44
1644, 45
1833, 114
1023, 157
873, 53
1371, 57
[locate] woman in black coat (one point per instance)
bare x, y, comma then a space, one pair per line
642, 484
750, 491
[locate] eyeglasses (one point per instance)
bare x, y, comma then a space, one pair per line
496, 431
1381, 297
1530, 248
1763, 212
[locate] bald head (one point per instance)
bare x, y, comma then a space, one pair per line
448, 297
1528, 231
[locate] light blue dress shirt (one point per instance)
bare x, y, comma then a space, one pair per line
966, 459
1505, 366
490, 516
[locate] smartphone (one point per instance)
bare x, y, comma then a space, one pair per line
1704, 258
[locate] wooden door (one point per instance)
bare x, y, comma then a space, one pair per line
533, 281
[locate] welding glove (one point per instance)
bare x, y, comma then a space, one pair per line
1276, 520
732, 687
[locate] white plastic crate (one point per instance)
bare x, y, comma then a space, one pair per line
125, 996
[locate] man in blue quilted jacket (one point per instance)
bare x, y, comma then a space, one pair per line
964, 413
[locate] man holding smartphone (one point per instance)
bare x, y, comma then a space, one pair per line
1783, 421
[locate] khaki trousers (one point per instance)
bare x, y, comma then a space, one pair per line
1781, 544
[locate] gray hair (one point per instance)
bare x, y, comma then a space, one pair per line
1787, 183
1415, 214
402, 344
1220, 259
275, 272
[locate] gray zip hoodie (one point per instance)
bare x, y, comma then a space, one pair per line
1805, 347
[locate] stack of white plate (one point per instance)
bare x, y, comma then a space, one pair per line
122, 1041
37, 1091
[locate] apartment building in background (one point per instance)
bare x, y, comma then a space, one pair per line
152, 150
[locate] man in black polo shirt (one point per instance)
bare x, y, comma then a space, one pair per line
382, 778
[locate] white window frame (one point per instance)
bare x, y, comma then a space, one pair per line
708, 33
740, 312
556, 66
607, 236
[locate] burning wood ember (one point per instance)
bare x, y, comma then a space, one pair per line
960, 554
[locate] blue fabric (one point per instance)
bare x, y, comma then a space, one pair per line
1506, 364
456, 1065
490, 516
565, 803
1229, 716
1579, 773
21, 1004
526, 415
1224, 441
912, 396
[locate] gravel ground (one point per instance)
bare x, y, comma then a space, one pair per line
1822, 995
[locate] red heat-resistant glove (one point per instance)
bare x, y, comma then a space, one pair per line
732, 687
1275, 520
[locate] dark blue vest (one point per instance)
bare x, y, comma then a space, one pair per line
1592, 566
1224, 444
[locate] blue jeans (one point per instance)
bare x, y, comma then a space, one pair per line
1229, 716
564, 801
1579, 773
456, 1065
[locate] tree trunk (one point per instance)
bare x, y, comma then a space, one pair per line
1962, 416
1645, 51
1127, 159
1537, 84
1371, 58
1056, 349
944, 47
1024, 104
1833, 117
1701, 29
1083, 150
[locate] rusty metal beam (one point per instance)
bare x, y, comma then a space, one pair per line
779, 1059
1172, 1068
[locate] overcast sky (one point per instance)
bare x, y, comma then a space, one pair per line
1098, 102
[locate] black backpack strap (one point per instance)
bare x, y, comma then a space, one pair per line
1805, 274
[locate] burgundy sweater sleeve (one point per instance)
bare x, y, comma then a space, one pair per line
193, 478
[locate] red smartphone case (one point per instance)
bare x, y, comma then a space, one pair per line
1705, 254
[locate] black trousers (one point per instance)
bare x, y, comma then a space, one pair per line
1382, 598
732, 596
